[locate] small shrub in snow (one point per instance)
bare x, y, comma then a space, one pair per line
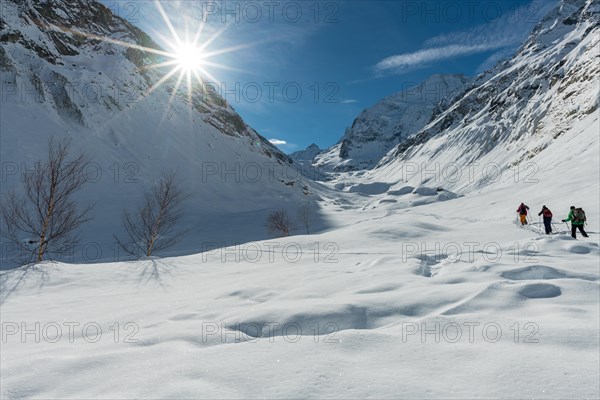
279, 222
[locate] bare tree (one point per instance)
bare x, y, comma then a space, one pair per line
279, 222
43, 222
151, 228
304, 215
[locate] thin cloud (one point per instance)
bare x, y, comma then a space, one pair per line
408, 61
503, 34
348, 101
277, 142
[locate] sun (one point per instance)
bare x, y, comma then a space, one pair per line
189, 57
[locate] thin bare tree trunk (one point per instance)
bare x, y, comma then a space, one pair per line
48, 214
150, 228
49, 211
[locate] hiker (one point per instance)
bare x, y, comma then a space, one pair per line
522, 210
578, 219
547, 214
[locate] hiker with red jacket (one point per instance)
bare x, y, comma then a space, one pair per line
522, 210
578, 219
547, 214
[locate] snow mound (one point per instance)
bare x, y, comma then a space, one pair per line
370, 188
541, 272
425, 191
402, 191
319, 319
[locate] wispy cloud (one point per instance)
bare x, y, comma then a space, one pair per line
348, 101
504, 34
409, 61
277, 142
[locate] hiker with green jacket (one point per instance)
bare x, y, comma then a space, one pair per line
577, 218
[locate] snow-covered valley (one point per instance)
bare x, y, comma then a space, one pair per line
409, 275
448, 299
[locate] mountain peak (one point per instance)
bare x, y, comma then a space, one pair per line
381, 127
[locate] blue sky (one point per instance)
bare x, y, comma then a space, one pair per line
301, 71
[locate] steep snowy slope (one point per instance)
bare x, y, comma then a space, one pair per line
58, 78
381, 127
544, 97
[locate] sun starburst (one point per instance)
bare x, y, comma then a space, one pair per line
191, 58
188, 57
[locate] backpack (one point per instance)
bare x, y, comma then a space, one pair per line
547, 213
523, 210
579, 215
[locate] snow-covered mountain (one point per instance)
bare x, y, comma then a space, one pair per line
59, 78
306, 155
303, 162
502, 129
381, 127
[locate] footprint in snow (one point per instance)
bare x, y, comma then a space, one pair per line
577, 249
533, 272
540, 291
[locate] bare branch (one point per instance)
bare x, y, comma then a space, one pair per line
151, 228
279, 222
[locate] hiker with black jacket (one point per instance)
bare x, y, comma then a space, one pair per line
547, 214
577, 218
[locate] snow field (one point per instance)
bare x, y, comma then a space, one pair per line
392, 296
